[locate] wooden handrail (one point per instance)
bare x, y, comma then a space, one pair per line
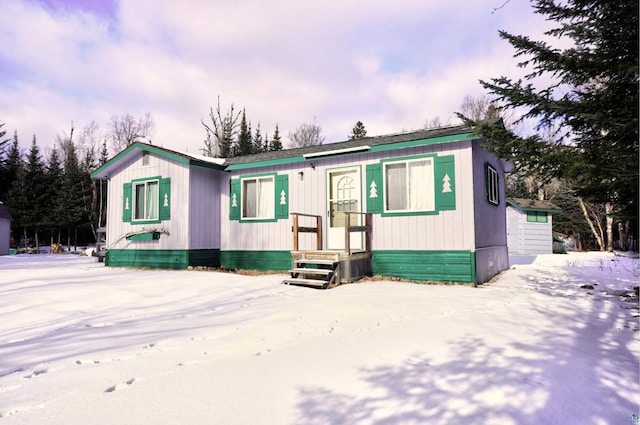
348, 229
300, 229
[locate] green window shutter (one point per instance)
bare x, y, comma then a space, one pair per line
282, 196
164, 209
127, 205
234, 199
445, 183
374, 189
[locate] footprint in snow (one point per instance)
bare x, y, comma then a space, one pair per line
120, 385
36, 373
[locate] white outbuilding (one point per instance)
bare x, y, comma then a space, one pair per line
529, 226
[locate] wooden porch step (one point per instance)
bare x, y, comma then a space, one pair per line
318, 262
309, 270
307, 282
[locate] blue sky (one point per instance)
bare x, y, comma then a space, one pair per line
391, 65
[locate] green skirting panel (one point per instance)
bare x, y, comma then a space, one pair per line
162, 258
256, 260
436, 266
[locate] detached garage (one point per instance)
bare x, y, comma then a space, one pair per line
5, 229
529, 226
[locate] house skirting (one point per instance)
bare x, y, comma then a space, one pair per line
256, 260
436, 266
490, 261
162, 258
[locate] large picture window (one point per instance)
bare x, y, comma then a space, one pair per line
409, 186
258, 198
492, 187
145, 200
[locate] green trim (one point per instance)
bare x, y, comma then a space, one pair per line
268, 163
441, 165
153, 236
162, 258
424, 142
280, 184
537, 217
157, 151
256, 260
437, 266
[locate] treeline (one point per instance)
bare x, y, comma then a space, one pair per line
51, 197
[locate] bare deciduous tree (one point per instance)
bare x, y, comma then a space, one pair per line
220, 132
433, 122
306, 135
125, 129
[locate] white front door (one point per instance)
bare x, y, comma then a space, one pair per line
343, 194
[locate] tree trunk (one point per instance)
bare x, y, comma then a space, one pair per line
609, 210
37, 242
69, 239
590, 222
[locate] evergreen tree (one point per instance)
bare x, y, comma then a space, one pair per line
101, 219
37, 193
73, 192
55, 211
276, 141
258, 143
593, 95
244, 138
358, 132
3, 161
11, 166
18, 203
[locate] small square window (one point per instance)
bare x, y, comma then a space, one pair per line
537, 217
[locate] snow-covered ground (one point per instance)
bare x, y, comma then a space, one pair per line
85, 344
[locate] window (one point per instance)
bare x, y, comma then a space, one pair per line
537, 217
258, 199
145, 200
409, 186
412, 185
492, 186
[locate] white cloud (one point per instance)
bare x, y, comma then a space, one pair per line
390, 65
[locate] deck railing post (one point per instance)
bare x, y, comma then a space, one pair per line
295, 231
368, 223
319, 233
347, 232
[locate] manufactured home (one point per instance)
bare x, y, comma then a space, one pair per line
529, 226
426, 205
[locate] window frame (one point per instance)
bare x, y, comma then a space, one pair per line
271, 196
134, 200
428, 187
537, 217
492, 185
